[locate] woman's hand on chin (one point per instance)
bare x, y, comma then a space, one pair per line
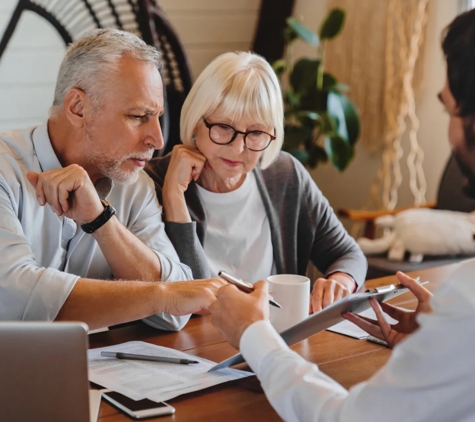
186, 164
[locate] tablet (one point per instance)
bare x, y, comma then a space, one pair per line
326, 318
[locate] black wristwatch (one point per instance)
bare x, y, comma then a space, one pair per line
105, 216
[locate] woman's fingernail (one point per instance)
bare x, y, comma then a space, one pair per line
41, 201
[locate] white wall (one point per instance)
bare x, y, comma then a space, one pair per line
28, 69
30, 64
209, 28
351, 188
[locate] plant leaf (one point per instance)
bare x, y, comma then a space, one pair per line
339, 151
295, 136
316, 155
329, 123
314, 100
346, 114
300, 155
279, 66
291, 101
297, 29
329, 82
340, 87
307, 118
333, 24
304, 75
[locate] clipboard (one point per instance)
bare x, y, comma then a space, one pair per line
328, 317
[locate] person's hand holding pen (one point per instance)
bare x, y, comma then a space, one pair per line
234, 311
407, 322
244, 286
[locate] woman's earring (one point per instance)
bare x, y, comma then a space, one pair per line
193, 138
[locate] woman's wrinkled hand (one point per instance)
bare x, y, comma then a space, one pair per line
329, 290
186, 164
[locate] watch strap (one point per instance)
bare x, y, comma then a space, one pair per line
103, 218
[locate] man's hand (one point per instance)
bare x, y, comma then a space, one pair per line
68, 191
407, 323
234, 310
328, 290
189, 297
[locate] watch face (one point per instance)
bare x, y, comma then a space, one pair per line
87, 228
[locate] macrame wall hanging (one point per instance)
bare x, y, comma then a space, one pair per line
379, 56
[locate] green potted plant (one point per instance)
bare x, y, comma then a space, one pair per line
321, 123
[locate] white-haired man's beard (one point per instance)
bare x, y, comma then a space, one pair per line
113, 168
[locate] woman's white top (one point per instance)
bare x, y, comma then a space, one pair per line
238, 238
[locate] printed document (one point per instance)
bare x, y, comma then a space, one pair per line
349, 329
157, 381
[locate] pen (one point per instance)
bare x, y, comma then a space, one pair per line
391, 287
244, 286
120, 355
376, 340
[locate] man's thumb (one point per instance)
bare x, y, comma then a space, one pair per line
32, 178
262, 287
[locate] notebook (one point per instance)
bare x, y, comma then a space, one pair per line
43, 372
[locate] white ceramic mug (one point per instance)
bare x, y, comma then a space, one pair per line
292, 292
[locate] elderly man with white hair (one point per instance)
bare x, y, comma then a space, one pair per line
81, 236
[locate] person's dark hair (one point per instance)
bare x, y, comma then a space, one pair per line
458, 45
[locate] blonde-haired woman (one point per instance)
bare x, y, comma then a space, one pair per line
233, 201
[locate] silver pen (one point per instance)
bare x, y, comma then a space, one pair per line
243, 285
133, 356
392, 287
376, 340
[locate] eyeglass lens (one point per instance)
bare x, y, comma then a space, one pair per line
255, 140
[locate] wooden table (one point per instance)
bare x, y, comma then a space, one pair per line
345, 359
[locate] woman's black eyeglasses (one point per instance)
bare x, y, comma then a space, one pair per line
222, 134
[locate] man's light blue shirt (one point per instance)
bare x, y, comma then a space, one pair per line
43, 255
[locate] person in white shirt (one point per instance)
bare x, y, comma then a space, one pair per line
429, 376
81, 235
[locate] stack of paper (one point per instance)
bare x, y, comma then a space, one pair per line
155, 381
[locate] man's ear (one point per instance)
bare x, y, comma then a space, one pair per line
74, 104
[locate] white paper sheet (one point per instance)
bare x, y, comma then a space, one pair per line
349, 329
155, 381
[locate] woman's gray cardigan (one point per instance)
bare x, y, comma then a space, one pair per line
302, 223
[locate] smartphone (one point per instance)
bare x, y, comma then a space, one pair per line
137, 409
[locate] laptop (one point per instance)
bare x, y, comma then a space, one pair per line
43, 372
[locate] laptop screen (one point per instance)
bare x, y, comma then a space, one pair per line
43, 371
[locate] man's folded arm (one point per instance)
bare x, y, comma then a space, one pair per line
32, 292
101, 303
150, 229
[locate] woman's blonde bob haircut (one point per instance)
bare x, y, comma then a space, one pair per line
244, 85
